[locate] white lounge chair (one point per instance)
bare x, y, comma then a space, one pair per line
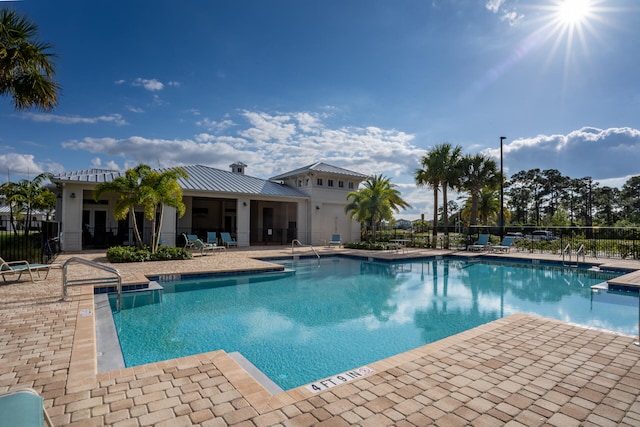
203, 247
20, 267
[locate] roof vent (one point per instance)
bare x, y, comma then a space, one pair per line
238, 167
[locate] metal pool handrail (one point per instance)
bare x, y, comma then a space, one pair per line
92, 281
294, 241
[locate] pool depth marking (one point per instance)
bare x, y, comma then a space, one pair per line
342, 378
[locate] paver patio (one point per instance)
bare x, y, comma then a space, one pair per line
519, 370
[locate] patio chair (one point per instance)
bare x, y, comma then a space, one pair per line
335, 240
21, 267
504, 246
481, 244
23, 407
212, 237
188, 240
227, 240
202, 247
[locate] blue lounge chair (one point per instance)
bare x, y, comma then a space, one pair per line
227, 240
212, 237
12, 268
481, 244
504, 246
23, 407
203, 247
335, 240
188, 240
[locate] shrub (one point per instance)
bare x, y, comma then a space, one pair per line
134, 254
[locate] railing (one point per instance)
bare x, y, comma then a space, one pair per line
567, 249
578, 252
294, 241
91, 281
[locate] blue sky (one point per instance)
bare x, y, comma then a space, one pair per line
368, 85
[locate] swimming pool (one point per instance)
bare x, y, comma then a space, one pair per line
337, 314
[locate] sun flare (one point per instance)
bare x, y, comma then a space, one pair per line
573, 12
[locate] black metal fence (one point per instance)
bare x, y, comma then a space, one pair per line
40, 245
603, 242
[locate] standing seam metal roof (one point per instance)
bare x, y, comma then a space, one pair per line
201, 178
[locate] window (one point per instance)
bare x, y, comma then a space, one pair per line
330, 182
300, 183
351, 186
319, 181
340, 184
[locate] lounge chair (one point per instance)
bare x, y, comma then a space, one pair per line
20, 267
481, 244
335, 240
188, 240
212, 237
504, 246
227, 240
202, 247
23, 407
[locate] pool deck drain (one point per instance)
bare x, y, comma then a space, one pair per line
519, 370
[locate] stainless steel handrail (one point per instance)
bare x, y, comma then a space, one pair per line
580, 249
294, 241
564, 251
106, 280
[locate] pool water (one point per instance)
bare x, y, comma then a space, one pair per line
337, 314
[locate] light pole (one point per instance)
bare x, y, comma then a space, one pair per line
502, 138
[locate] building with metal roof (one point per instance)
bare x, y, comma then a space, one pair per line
306, 204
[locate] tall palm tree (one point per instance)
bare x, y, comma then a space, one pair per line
128, 189
26, 67
478, 172
160, 189
28, 195
451, 158
375, 202
440, 169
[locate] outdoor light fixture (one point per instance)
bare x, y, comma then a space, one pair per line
73, 195
317, 208
502, 138
244, 203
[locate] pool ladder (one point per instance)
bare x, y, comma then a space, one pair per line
294, 241
115, 280
567, 250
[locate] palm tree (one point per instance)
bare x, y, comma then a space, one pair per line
431, 175
160, 189
28, 195
375, 202
451, 159
26, 68
128, 189
11, 197
478, 172
440, 169
488, 207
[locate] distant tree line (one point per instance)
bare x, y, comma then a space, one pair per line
534, 197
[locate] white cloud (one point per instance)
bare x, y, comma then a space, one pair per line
72, 120
148, 84
215, 126
15, 166
271, 144
494, 5
602, 154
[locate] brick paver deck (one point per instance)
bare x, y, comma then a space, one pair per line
521, 371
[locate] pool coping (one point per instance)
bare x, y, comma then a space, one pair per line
83, 368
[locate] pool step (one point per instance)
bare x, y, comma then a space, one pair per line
615, 294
